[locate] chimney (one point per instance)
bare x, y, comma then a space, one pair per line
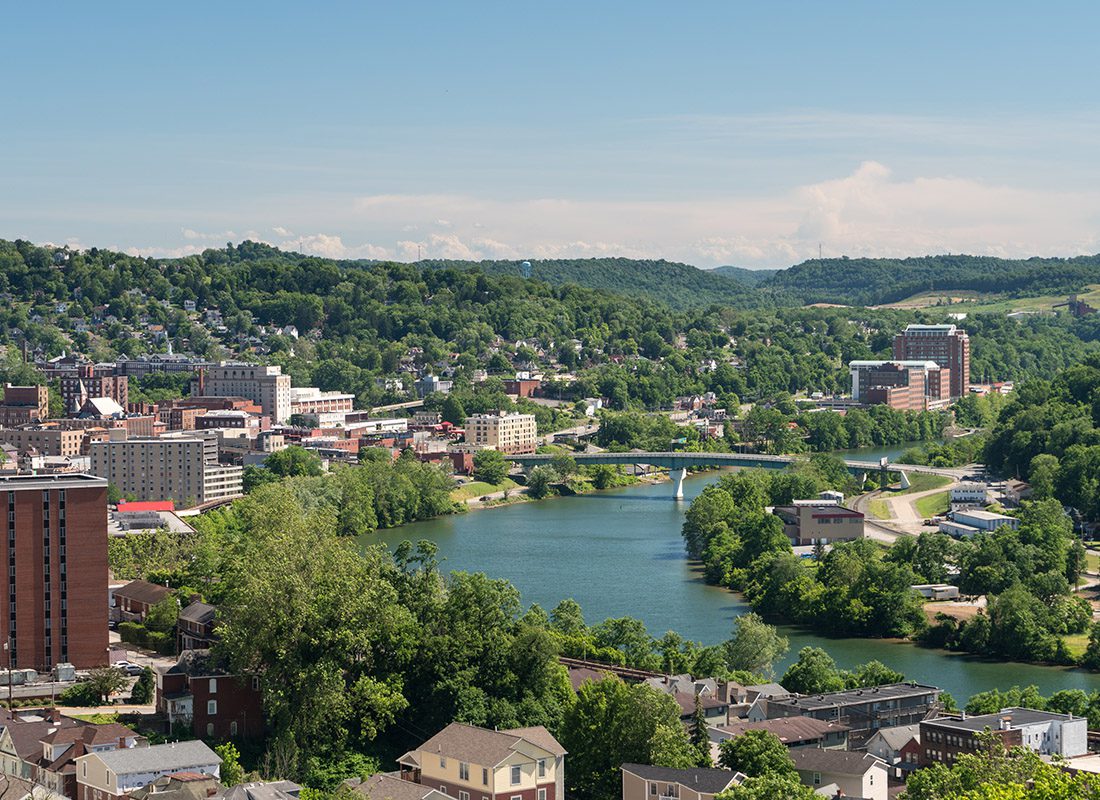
55, 714
121, 742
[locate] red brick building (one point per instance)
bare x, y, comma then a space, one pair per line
56, 551
197, 691
947, 345
23, 405
89, 382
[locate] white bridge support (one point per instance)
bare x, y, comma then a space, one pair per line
905, 481
677, 476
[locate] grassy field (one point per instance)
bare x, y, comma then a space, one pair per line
879, 509
478, 488
976, 303
922, 482
933, 504
1092, 560
1077, 643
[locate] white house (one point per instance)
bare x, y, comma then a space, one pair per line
113, 774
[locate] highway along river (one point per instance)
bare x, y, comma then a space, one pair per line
619, 553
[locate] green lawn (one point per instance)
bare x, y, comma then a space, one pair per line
879, 509
1077, 643
934, 504
994, 303
478, 488
923, 482
98, 719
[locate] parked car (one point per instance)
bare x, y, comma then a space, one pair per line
133, 670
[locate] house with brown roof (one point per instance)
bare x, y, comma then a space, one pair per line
478, 764
195, 627
42, 746
643, 782
133, 601
179, 786
794, 732
390, 786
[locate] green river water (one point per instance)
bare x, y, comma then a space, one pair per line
619, 553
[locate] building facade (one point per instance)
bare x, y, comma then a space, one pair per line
508, 433
823, 523
182, 468
90, 381
471, 763
947, 345
113, 774
56, 554
49, 440
24, 404
199, 693
643, 782
1047, 733
266, 385
901, 385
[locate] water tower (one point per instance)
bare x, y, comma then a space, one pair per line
525, 268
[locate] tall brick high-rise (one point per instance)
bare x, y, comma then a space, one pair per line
947, 345
56, 552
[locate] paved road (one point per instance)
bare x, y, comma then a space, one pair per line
578, 430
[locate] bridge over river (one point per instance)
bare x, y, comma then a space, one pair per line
678, 462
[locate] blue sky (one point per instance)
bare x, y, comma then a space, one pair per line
713, 133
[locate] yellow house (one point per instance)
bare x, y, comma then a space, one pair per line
469, 763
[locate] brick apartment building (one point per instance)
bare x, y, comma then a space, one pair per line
901, 385
198, 692
947, 345
56, 553
942, 740
90, 381
23, 405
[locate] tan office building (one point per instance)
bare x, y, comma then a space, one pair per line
49, 441
180, 468
260, 384
508, 433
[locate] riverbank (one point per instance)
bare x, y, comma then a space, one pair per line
517, 493
619, 553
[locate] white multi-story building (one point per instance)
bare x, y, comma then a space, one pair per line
265, 385
311, 400
183, 468
508, 433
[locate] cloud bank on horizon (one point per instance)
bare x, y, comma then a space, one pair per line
867, 213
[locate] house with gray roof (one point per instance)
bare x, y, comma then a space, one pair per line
644, 782
835, 773
390, 786
113, 774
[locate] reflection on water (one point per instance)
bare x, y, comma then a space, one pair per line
619, 553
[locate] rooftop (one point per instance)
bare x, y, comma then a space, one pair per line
146, 505
788, 729
701, 779
892, 691
836, 761
143, 592
485, 747
989, 516
172, 757
1014, 718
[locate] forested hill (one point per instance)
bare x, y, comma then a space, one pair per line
873, 281
749, 277
674, 284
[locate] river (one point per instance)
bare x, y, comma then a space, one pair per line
619, 553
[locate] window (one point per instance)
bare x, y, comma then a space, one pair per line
542, 767
463, 796
211, 707
442, 762
213, 684
443, 788
233, 728
463, 771
817, 779
256, 683
653, 789
542, 794
516, 775
210, 729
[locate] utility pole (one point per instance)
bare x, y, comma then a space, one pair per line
7, 646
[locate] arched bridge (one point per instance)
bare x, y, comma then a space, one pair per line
677, 463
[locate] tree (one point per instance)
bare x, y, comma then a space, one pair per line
564, 465
114, 494
610, 724
142, 692
162, 615
603, 476
327, 651
700, 737
539, 481
1041, 474
769, 787
755, 645
231, 771
105, 681
814, 672
756, 753
568, 619
293, 461
490, 467
451, 411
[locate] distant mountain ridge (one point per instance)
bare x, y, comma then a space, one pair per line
874, 281
675, 284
